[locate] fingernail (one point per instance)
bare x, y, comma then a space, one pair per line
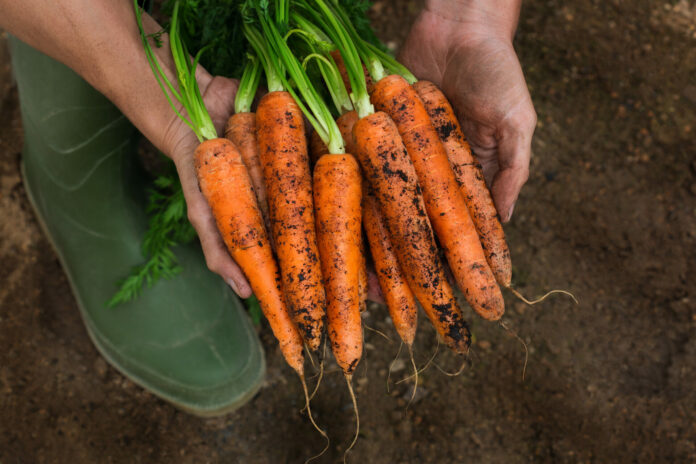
233, 285
509, 214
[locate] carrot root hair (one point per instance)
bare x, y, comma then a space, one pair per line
422, 369
378, 332
311, 418
415, 376
542, 298
309, 355
391, 365
320, 375
349, 379
526, 350
457, 373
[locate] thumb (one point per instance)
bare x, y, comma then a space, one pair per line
219, 98
514, 154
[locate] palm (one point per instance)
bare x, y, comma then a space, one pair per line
484, 81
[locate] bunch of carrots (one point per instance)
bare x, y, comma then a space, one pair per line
387, 157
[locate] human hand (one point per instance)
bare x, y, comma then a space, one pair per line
179, 142
466, 49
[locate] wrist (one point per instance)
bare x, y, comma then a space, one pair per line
476, 19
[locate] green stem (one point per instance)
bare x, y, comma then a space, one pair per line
373, 63
248, 86
333, 80
188, 94
321, 48
316, 110
273, 77
390, 63
332, 26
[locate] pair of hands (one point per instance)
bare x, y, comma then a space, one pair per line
473, 62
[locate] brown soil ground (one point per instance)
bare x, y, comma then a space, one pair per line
609, 212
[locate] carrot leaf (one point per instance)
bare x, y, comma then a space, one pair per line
248, 86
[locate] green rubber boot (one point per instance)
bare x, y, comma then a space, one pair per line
188, 340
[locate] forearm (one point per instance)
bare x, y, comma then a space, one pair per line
479, 17
99, 40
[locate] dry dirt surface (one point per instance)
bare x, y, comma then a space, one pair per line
609, 212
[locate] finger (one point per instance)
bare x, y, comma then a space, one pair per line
374, 292
219, 96
514, 154
484, 145
217, 257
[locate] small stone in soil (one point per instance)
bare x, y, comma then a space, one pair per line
398, 365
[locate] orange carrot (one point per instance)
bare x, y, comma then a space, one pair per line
337, 200
341, 65
283, 152
345, 124
397, 294
317, 148
392, 176
444, 202
241, 130
362, 276
470, 178
225, 182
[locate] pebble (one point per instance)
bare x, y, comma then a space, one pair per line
484, 345
101, 368
520, 307
398, 365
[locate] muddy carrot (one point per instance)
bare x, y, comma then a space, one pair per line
362, 276
225, 183
398, 297
337, 200
283, 153
393, 179
317, 149
444, 202
471, 181
241, 130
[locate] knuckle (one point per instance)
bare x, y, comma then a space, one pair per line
524, 173
193, 218
214, 263
533, 118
